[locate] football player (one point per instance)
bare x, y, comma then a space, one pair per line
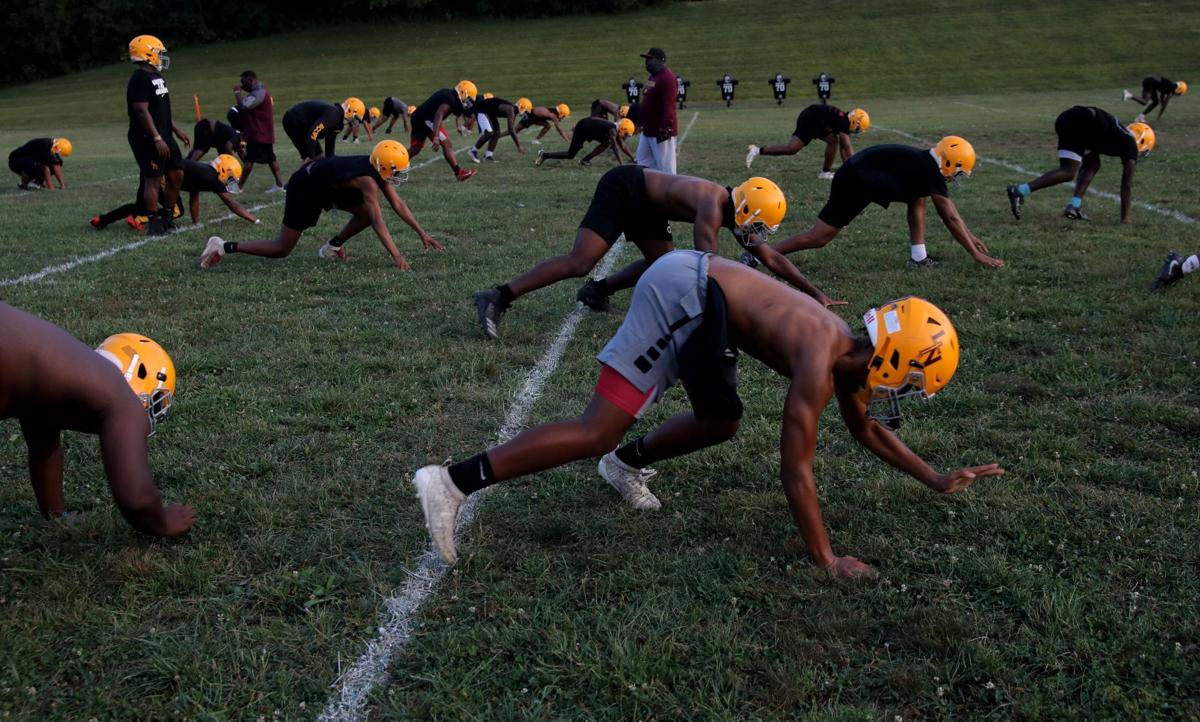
1174, 268
394, 109
633, 90
151, 127
779, 85
1156, 91
606, 109
356, 117
605, 133
349, 183
215, 134
640, 204
884, 174
824, 122
545, 118
221, 177
50, 382
310, 122
1084, 134
488, 113
40, 161
727, 83
688, 312
427, 123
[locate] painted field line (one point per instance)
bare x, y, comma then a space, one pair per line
1162, 211
399, 617
23, 194
686, 130
81, 260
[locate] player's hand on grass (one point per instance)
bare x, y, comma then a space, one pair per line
401, 263
177, 519
428, 242
850, 568
826, 301
961, 479
985, 260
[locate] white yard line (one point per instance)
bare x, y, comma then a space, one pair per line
1168, 212
399, 617
81, 260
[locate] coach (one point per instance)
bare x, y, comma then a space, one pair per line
656, 148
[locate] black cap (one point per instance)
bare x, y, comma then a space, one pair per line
655, 53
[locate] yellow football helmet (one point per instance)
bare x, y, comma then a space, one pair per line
61, 147
758, 206
147, 369
524, 105
623, 111
1181, 88
860, 122
625, 128
229, 169
467, 93
390, 159
1144, 135
488, 96
955, 156
149, 49
354, 108
916, 353
373, 113
564, 111
412, 109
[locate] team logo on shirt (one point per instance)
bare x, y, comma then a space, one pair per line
160, 86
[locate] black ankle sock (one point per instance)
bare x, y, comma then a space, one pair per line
634, 455
473, 474
337, 243
230, 246
506, 294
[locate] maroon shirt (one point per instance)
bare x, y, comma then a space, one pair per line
658, 104
259, 124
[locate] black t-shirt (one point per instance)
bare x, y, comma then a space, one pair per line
1109, 137
37, 150
338, 169
311, 112
635, 113
818, 121
1159, 83
225, 133
149, 88
425, 111
898, 173
490, 107
594, 129
200, 177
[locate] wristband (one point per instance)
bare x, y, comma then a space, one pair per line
157, 137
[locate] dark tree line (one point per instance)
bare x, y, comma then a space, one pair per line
53, 37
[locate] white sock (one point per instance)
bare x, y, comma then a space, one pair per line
918, 252
1191, 263
489, 154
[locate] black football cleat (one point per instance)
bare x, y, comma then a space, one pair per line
591, 296
1015, 199
1171, 271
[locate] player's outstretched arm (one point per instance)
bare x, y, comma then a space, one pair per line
401, 208
45, 179
888, 447
807, 395
230, 203
45, 467
958, 229
558, 127
123, 430
783, 268
511, 117
58, 173
846, 148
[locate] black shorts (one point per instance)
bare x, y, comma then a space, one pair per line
525, 121
260, 152
389, 108
708, 362
848, 197
146, 155
299, 135
619, 206
810, 125
1074, 126
202, 137
306, 201
25, 166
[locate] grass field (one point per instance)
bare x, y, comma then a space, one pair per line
310, 391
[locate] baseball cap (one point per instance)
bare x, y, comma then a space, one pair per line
655, 53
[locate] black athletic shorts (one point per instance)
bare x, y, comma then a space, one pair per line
1074, 126
299, 135
708, 362
146, 155
202, 136
306, 200
260, 152
525, 121
24, 165
619, 206
848, 197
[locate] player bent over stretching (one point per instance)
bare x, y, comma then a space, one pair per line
688, 311
349, 183
823, 122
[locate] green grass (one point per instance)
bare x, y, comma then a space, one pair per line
309, 392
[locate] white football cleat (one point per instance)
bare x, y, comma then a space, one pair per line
629, 481
825, 175
751, 154
441, 501
276, 189
214, 250
1126, 95
332, 253
1141, 118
